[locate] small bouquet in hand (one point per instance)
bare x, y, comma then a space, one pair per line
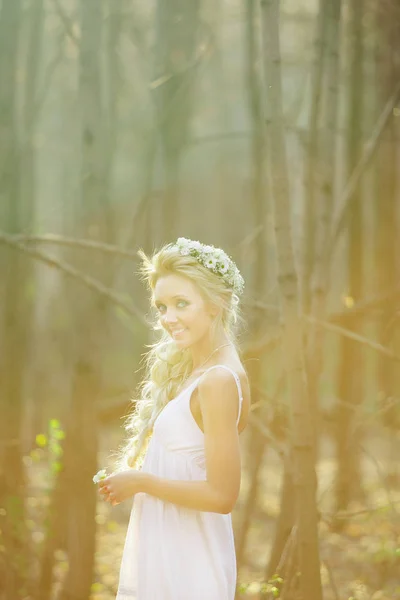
99, 476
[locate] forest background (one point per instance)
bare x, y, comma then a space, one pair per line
270, 129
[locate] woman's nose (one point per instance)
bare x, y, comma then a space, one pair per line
170, 316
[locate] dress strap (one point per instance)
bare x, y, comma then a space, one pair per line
239, 387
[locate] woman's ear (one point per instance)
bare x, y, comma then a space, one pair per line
213, 311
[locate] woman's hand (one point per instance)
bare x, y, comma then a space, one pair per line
120, 486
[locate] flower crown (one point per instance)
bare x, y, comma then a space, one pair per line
214, 259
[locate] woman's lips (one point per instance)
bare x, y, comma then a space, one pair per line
177, 332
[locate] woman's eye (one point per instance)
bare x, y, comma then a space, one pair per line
161, 308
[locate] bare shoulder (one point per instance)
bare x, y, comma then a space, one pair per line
218, 392
217, 378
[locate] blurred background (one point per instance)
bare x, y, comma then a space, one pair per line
270, 129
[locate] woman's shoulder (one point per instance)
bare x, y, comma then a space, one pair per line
217, 380
222, 371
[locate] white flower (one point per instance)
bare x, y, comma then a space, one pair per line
223, 268
214, 259
238, 282
220, 255
195, 246
184, 246
182, 241
210, 262
100, 475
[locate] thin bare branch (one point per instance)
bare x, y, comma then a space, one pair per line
354, 336
331, 579
344, 203
270, 342
361, 307
382, 478
328, 517
91, 283
364, 306
291, 540
374, 416
262, 346
76, 243
280, 448
67, 22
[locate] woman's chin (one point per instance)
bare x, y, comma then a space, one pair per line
182, 343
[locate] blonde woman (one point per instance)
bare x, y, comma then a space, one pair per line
182, 461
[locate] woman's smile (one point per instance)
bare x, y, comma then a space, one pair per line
178, 332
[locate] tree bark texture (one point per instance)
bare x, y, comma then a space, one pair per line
28, 175
258, 187
311, 168
386, 221
326, 164
256, 453
92, 218
292, 341
14, 564
176, 61
350, 374
257, 442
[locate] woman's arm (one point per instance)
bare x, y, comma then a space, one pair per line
219, 404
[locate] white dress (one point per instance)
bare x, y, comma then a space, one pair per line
172, 552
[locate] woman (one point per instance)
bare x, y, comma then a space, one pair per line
194, 403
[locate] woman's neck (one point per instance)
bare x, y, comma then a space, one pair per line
208, 353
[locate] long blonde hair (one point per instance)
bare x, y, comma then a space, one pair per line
166, 366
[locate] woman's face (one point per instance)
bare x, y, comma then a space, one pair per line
182, 310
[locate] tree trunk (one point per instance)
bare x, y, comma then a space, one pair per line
286, 521
257, 442
320, 173
14, 562
350, 375
258, 191
80, 463
311, 166
327, 163
325, 202
55, 538
386, 222
114, 82
93, 219
177, 35
256, 452
292, 340
28, 186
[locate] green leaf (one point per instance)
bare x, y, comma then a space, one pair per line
55, 424
56, 467
275, 592
56, 449
41, 440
